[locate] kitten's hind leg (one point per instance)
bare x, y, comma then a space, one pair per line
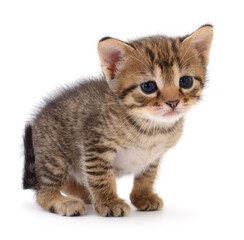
73, 188
53, 201
52, 174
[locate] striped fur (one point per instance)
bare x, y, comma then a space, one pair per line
102, 128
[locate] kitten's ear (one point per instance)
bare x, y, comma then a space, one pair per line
113, 55
201, 40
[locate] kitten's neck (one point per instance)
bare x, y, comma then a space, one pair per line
148, 125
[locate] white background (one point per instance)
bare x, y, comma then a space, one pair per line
47, 44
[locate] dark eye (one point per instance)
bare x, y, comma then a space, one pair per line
149, 87
186, 82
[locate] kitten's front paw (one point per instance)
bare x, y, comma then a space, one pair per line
147, 202
113, 208
69, 207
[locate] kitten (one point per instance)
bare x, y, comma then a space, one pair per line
120, 124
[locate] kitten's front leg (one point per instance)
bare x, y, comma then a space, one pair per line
101, 182
142, 196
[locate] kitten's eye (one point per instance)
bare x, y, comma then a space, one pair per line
186, 82
149, 87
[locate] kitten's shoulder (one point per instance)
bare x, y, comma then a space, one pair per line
88, 88
83, 92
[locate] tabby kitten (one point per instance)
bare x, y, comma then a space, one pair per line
120, 124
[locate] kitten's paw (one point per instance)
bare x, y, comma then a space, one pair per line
147, 202
113, 208
71, 207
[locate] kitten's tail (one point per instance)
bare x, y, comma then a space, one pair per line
29, 178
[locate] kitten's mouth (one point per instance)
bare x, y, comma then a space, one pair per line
165, 115
171, 113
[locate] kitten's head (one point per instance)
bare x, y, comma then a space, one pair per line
157, 78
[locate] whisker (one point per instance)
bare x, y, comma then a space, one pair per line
197, 54
139, 61
135, 73
191, 68
185, 53
139, 51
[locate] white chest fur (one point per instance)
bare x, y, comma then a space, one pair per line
135, 159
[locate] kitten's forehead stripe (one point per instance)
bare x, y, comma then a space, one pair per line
150, 53
158, 76
161, 51
173, 45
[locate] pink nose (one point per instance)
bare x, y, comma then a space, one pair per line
173, 104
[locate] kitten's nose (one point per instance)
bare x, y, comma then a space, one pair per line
173, 104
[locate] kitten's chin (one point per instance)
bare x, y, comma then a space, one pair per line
170, 117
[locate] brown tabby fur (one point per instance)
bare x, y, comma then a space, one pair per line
72, 143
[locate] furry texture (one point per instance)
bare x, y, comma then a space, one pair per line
89, 134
